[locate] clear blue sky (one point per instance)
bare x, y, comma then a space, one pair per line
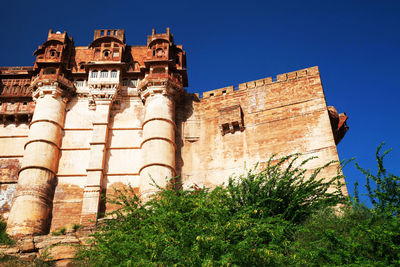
356, 45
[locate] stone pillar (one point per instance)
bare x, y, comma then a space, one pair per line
158, 145
31, 210
94, 185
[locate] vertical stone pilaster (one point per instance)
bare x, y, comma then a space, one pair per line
103, 94
31, 210
95, 170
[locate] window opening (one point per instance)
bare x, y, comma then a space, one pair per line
103, 74
79, 83
106, 53
94, 74
125, 82
113, 74
133, 83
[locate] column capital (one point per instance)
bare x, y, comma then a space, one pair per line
167, 85
56, 87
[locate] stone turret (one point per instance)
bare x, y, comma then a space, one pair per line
31, 211
159, 91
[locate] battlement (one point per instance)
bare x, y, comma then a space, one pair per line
116, 33
313, 71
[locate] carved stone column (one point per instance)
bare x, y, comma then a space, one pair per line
158, 145
31, 210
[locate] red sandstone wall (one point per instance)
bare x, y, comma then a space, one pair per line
282, 117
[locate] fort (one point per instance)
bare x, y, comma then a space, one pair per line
85, 120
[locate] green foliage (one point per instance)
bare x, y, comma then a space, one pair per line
384, 187
76, 227
4, 239
61, 231
284, 191
357, 236
249, 222
13, 261
276, 217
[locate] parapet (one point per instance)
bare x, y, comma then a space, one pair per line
266, 81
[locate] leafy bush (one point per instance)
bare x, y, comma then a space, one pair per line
4, 239
358, 236
384, 187
252, 221
284, 191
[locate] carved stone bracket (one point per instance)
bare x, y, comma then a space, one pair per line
167, 86
102, 94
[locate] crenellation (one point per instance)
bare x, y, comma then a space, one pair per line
265, 81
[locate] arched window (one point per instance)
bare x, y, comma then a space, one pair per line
79, 83
104, 74
53, 53
106, 53
125, 82
82, 65
113, 74
94, 74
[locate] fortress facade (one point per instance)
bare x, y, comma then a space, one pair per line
87, 119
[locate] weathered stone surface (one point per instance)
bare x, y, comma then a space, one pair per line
109, 115
58, 252
64, 263
26, 245
48, 240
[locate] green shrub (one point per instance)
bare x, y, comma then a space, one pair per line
249, 222
358, 236
4, 238
384, 187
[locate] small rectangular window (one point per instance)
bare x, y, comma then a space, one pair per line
113, 74
79, 83
116, 54
104, 74
133, 83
